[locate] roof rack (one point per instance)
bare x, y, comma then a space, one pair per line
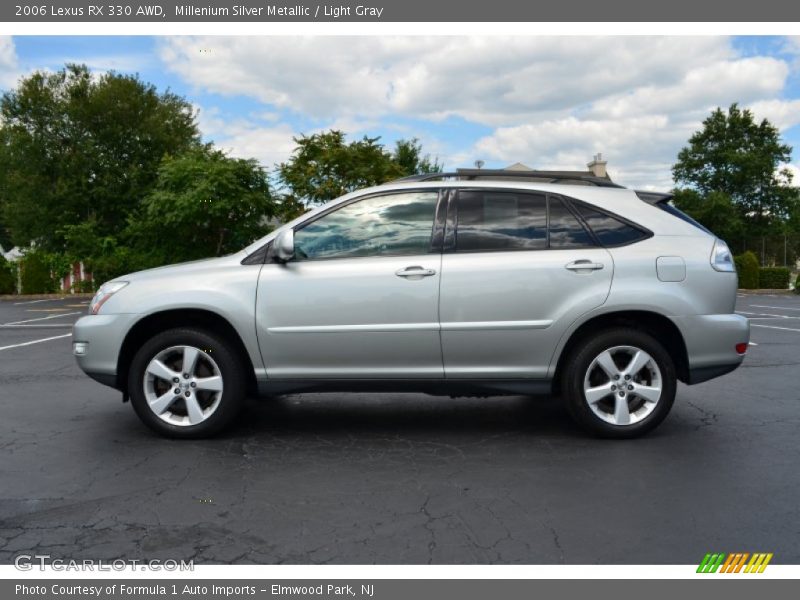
502, 174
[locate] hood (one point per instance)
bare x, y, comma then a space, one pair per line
198, 266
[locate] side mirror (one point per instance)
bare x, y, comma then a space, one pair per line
282, 249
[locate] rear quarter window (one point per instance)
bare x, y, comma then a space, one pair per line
608, 229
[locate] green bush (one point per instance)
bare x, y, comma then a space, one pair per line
83, 287
774, 278
35, 274
747, 267
8, 277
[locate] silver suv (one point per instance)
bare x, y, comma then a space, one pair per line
475, 283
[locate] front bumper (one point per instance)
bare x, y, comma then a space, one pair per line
711, 343
102, 336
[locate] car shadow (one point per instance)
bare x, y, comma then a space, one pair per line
403, 413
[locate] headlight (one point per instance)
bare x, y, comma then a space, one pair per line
104, 293
721, 257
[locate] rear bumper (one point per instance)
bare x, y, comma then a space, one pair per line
103, 336
711, 343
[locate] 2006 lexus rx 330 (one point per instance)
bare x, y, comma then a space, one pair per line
471, 284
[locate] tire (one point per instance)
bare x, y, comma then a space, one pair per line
632, 407
208, 400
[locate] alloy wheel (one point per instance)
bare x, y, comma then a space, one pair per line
183, 385
623, 385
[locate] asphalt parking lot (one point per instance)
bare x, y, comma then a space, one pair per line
392, 479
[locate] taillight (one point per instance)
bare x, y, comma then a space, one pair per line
741, 348
721, 257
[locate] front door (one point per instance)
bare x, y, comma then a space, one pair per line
360, 299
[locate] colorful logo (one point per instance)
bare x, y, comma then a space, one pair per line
735, 563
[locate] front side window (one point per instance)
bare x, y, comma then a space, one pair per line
389, 225
489, 220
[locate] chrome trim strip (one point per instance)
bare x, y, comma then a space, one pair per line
495, 325
369, 328
401, 327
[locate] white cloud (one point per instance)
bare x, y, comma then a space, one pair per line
794, 169
245, 138
9, 67
784, 114
268, 145
493, 80
640, 150
552, 102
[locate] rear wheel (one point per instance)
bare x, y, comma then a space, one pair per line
620, 384
186, 383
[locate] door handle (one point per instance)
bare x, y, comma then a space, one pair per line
583, 265
415, 272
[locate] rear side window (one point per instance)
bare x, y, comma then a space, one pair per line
489, 220
565, 230
609, 231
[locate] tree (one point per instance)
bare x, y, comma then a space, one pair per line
204, 203
77, 147
324, 166
741, 159
8, 277
716, 211
408, 155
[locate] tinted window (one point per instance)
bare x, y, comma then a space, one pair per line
501, 221
395, 224
609, 230
676, 212
565, 230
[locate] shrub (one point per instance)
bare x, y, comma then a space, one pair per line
35, 274
747, 267
83, 287
774, 278
8, 277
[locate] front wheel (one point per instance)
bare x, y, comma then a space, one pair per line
186, 383
620, 383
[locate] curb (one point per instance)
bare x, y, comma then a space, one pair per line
764, 291
24, 297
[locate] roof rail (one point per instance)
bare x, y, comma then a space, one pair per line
502, 174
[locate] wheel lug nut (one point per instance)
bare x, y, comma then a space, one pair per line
193, 384
187, 394
186, 376
175, 380
630, 387
613, 387
622, 394
616, 376
177, 391
627, 377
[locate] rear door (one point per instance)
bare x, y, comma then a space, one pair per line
518, 267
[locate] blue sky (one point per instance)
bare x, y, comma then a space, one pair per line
549, 102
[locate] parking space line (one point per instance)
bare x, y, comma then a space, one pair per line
775, 307
754, 325
41, 318
38, 326
37, 301
56, 337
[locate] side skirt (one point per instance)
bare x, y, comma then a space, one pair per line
434, 387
